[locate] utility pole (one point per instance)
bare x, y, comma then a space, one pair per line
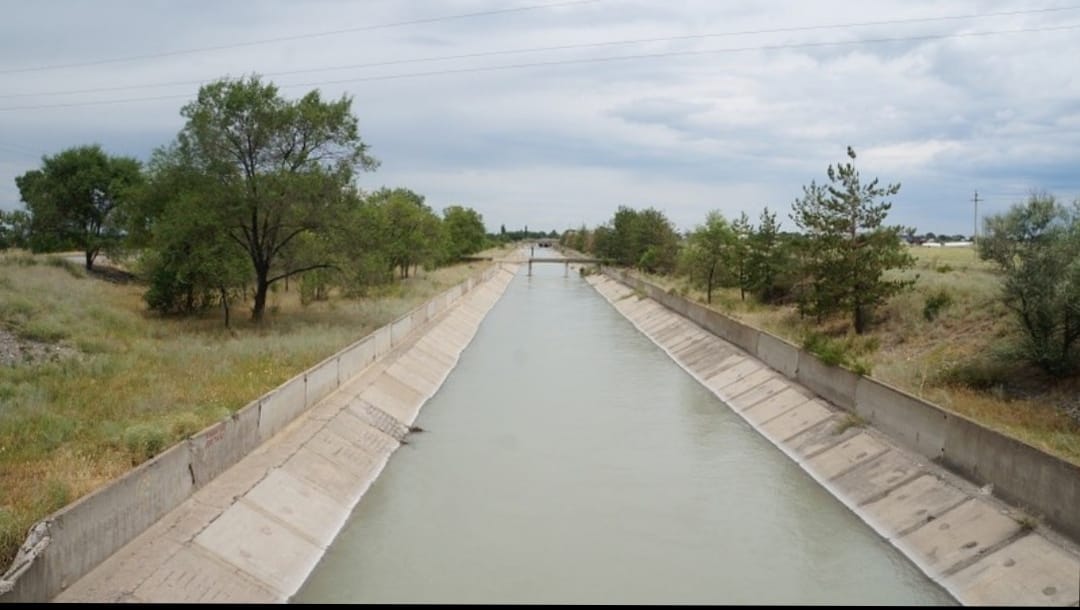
975, 235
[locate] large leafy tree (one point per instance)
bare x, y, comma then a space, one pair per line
709, 251
74, 200
465, 231
413, 232
283, 169
641, 238
848, 249
1037, 247
188, 259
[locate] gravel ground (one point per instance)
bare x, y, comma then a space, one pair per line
15, 350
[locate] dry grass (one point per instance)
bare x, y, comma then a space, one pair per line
959, 359
135, 382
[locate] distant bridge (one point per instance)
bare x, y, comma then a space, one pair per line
569, 260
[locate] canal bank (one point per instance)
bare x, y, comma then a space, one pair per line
568, 460
253, 532
980, 549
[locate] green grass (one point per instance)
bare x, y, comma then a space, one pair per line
133, 383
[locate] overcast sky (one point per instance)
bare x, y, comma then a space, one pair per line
747, 101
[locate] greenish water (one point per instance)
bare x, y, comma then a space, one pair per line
567, 459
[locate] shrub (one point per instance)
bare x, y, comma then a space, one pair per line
143, 441
844, 352
935, 303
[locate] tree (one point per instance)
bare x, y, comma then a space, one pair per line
1037, 247
73, 200
710, 246
645, 239
847, 249
739, 253
768, 260
465, 231
188, 259
413, 231
285, 168
14, 229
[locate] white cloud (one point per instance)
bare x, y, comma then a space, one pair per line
560, 144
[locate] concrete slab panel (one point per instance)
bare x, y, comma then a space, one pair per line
421, 367
877, 476
771, 387
262, 547
746, 382
432, 351
411, 378
778, 354
687, 340
218, 447
343, 453
369, 428
738, 370
796, 421
776, 406
688, 343
399, 330
116, 577
1022, 474
914, 503
356, 358
829, 433
834, 384
394, 397
693, 353
709, 350
911, 421
710, 364
282, 406
669, 331
298, 503
743, 336
959, 535
320, 381
381, 336
1027, 570
846, 455
195, 576
326, 475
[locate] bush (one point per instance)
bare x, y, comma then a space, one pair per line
1036, 246
982, 373
935, 303
841, 352
144, 441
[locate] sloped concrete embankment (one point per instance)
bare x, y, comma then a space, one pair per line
890, 474
245, 509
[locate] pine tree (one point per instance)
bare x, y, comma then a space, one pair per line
847, 250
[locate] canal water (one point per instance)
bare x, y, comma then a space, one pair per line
567, 459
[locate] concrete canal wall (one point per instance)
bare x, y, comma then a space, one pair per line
243, 510
899, 473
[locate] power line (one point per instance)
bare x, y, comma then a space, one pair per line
263, 41
803, 45
559, 48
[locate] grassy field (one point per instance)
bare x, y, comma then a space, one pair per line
108, 384
956, 355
